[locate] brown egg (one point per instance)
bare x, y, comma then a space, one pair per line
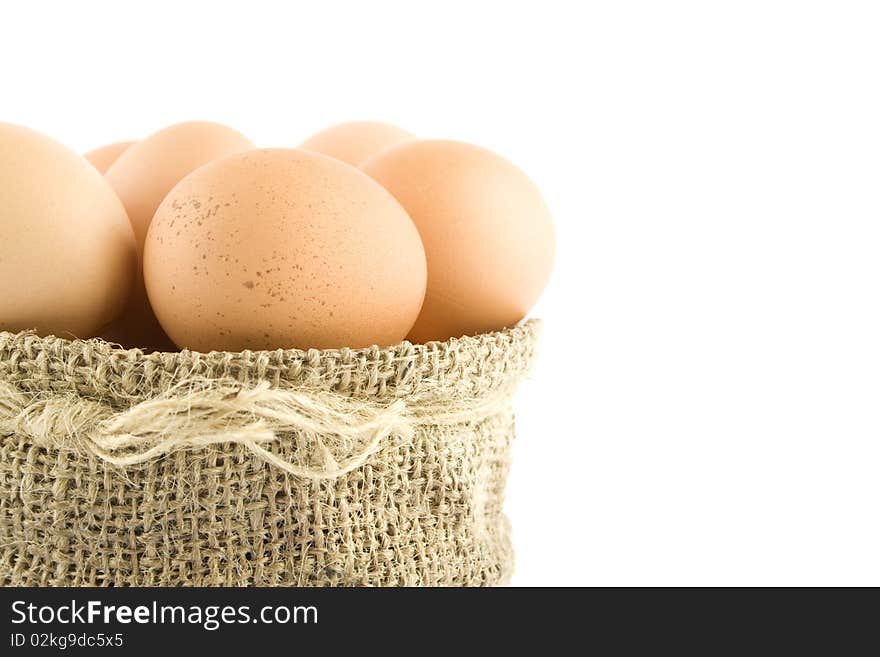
487, 233
356, 141
282, 248
142, 176
101, 158
67, 252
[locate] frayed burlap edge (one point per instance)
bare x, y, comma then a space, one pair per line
336, 467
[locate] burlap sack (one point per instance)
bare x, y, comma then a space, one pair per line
382, 467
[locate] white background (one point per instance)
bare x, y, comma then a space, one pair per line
706, 406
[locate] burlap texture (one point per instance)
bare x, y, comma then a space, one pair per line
422, 508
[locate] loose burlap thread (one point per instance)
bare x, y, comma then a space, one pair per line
336, 467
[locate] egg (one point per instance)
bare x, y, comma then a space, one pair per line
356, 141
487, 233
281, 248
142, 176
101, 158
67, 251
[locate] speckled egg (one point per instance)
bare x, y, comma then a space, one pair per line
281, 248
142, 176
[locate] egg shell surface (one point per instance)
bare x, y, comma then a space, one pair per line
356, 141
67, 251
486, 229
281, 248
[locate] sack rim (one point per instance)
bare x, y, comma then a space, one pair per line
466, 367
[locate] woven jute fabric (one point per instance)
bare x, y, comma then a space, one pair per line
367, 467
